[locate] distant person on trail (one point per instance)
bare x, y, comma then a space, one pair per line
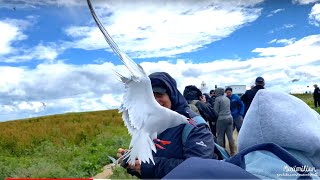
249, 94
199, 142
316, 96
194, 97
224, 122
236, 107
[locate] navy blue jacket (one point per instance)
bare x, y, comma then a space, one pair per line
200, 141
176, 153
236, 106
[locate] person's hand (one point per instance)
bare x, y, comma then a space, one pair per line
120, 154
136, 167
203, 98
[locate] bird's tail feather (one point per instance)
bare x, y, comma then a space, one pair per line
141, 147
127, 61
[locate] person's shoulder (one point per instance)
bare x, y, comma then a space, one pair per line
235, 96
248, 91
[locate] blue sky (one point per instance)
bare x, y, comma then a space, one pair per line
53, 59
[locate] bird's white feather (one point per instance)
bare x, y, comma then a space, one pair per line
142, 114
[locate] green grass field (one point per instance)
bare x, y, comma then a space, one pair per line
308, 99
67, 145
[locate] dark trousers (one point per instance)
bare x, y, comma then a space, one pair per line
213, 129
237, 122
225, 126
316, 102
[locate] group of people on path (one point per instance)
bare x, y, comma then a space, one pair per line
223, 110
223, 113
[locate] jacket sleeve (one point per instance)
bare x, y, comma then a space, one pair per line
241, 106
244, 97
217, 105
206, 111
199, 144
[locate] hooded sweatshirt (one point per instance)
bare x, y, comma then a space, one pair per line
222, 105
199, 143
285, 120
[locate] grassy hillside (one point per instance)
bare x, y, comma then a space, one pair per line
308, 99
68, 145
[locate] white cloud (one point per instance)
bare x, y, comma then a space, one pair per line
24, 4
314, 16
274, 12
9, 33
305, 1
283, 41
172, 29
299, 48
48, 52
70, 88
285, 26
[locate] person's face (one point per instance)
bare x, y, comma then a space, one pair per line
213, 94
203, 98
163, 100
229, 93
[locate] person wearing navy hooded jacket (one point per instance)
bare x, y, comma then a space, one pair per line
199, 143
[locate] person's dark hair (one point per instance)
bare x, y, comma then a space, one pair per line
228, 89
212, 91
191, 92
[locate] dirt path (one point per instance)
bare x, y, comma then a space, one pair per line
107, 172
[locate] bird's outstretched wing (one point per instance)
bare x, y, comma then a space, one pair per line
135, 69
138, 95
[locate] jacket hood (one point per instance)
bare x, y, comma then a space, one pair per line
179, 103
285, 120
219, 92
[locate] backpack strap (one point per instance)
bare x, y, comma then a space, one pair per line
188, 128
223, 153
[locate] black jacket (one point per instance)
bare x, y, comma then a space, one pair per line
206, 110
249, 95
316, 93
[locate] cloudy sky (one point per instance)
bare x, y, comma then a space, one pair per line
53, 59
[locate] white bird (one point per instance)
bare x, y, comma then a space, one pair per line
144, 117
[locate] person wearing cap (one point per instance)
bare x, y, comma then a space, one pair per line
199, 142
316, 96
236, 107
249, 94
